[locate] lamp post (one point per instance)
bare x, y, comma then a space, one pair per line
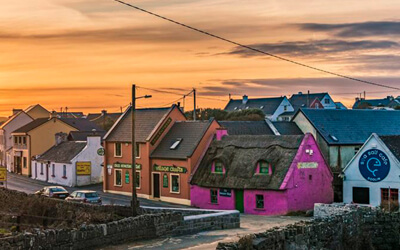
133, 109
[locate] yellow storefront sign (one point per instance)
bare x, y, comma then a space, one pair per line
83, 168
3, 174
302, 165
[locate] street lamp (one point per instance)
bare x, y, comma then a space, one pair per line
135, 202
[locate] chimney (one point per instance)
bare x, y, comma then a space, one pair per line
16, 111
221, 132
300, 93
53, 114
93, 140
179, 104
103, 112
245, 99
61, 137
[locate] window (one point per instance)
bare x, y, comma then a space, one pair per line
64, 171
393, 195
118, 177
317, 105
327, 101
24, 162
138, 179
175, 183
356, 149
24, 140
285, 108
118, 149
15, 139
214, 196
361, 195
259, 201
19, 140
310, 177
264, 167
137, 150
53, 170
176, 143
41, 168
218, 167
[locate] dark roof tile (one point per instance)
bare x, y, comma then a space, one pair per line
246, 127
287, 128
267, 105
393, 143
63, 152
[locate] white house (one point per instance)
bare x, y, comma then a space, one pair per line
17, 120
373, 175
71, 163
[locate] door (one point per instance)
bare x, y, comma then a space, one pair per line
361, 195
239, 204
156, 185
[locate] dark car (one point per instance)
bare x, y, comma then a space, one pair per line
85, 196
53, 192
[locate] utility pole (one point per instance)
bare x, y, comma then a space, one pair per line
364, 94
134, 196
194, 104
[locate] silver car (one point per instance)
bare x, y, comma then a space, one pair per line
85, 196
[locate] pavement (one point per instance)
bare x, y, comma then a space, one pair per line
250, 224
30, 186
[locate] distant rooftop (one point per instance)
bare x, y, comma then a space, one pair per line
267, 105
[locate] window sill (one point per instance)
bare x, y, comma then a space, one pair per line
174, 192
217, 173
117, 185
53, 175
64, 177
118, 156
259, 209
210, 203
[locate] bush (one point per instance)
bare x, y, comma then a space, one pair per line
393, 206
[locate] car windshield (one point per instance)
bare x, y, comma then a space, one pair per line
91, 195
53, 190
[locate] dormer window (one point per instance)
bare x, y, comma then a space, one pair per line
176, 143
218, 167
264, 167
261, 107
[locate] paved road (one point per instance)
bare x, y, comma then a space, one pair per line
209, 240
30, 186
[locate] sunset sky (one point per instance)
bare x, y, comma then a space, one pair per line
85, 54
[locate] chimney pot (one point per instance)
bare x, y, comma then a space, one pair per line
300, 93
245, 99
221, 132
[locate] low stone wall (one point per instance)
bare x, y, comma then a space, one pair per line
363, 228
328, 210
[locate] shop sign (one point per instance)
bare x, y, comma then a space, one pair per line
127, 165
171, 169
161, 131
83, 168
127, 177
100, 151
3, 174
374, 165
301, 165
225, 192
165, 180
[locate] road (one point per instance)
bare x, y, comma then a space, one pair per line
30, 186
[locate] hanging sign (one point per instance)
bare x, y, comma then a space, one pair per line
225, 192
165, 180
127, 177
374, 165
307, 165
100, 151
161, 131
171, 169
83, 168
3, 174
127, 165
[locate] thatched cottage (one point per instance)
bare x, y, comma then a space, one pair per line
263, 174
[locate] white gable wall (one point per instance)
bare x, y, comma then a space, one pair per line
281, 109
353, 177
330, 105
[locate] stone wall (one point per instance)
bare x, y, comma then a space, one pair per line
363, 228
328, 210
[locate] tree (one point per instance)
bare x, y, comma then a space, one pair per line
222, 115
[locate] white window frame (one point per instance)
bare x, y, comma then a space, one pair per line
139, 150
64, 172
115, 149
139, 173
170, 183
115, 177
53, 170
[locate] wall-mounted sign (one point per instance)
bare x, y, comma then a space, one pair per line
165, 180
307, 165
100, 151
127, 177
109, 169
3, 174
171, 169
83, 168
161, 131
225, 192
374, 165
127, 165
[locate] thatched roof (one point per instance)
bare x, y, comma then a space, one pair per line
240, 155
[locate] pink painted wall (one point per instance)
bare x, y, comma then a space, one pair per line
275, 202
200, 197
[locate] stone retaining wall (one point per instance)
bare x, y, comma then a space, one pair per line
328, 210
363, 228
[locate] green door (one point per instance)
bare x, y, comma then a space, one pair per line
239, 200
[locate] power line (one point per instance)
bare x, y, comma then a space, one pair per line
161, 91
254, 49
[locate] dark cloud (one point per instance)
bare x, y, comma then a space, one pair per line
314, 47
364, 29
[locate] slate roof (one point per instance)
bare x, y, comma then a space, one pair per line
81, 124
352, 127
340, 105
190, 133
287, 128
246, 127
393, 143
146, 121
32, 125
267, 105
384, 102
82, 135
63, 152
240, 155
11, 118
300, 100
97, 116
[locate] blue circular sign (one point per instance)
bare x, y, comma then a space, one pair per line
374, 165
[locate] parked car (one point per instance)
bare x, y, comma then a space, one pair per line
53, 192
85, 196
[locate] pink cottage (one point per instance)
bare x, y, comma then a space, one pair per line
263, 174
